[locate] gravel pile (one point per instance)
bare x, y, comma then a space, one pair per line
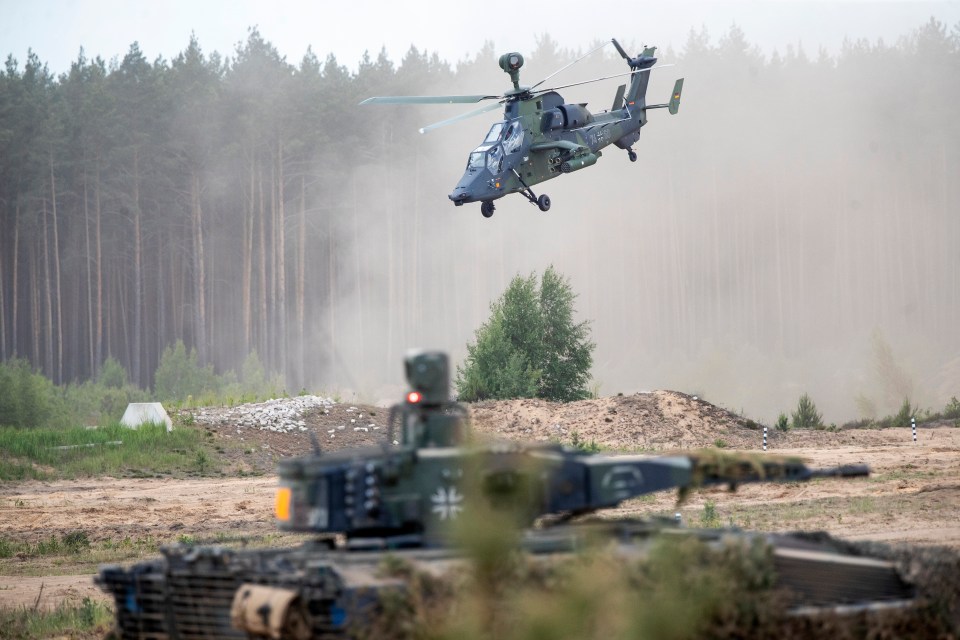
284, 415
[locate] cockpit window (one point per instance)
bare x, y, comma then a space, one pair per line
495, 159
477, 159
513, 138
494, 134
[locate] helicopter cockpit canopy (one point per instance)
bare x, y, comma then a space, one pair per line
494, 133
513, 137
490, 153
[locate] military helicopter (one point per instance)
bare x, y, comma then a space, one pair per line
541, 136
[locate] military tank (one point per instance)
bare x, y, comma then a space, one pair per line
401, 499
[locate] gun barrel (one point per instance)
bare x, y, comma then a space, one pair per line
843, 471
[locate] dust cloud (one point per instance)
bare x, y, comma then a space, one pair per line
799, 209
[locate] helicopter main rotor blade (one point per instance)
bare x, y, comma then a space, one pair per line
616, 75
620, 49
592, 51
462, 116
428, 99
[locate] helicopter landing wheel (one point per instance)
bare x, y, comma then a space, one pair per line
486, 208
543, 202
632, 155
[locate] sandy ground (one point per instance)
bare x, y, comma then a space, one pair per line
912, 497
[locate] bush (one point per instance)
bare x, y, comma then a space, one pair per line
99, 403
180, 375
582, 445
783, 422
27, 399
806, 415
530, 346
112, 374
34, 401
902, 419
952, 410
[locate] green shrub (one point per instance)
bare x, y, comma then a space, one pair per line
806, 415
902, 419
530, 346
112, 374
582, 445
783, 422
710, 519
98, 403
180, 375
952, 410
28, 398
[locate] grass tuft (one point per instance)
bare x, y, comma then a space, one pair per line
87, 618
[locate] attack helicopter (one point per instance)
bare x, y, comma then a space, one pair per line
541, 136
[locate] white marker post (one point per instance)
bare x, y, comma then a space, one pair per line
764, 438
913, 423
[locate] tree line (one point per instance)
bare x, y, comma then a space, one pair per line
244, 203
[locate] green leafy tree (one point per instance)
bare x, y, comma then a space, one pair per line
806, 416
530, 346
566, 348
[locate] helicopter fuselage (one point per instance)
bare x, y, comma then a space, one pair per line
541, 136
541, 139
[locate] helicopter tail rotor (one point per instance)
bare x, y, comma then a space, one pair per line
643, 61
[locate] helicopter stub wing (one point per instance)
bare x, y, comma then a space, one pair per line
428, 99
562, 145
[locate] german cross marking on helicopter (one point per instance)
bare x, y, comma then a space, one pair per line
622, 480
447, 503
543, 135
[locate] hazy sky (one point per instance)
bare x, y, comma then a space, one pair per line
56, 29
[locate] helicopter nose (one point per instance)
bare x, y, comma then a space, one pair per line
459, 196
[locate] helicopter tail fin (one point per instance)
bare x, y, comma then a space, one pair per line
618, 99
674, 105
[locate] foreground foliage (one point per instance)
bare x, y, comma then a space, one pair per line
681, 587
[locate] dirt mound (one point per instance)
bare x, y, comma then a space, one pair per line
649, 421
260, 437
652, 421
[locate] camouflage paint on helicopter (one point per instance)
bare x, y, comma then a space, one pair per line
541, 136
